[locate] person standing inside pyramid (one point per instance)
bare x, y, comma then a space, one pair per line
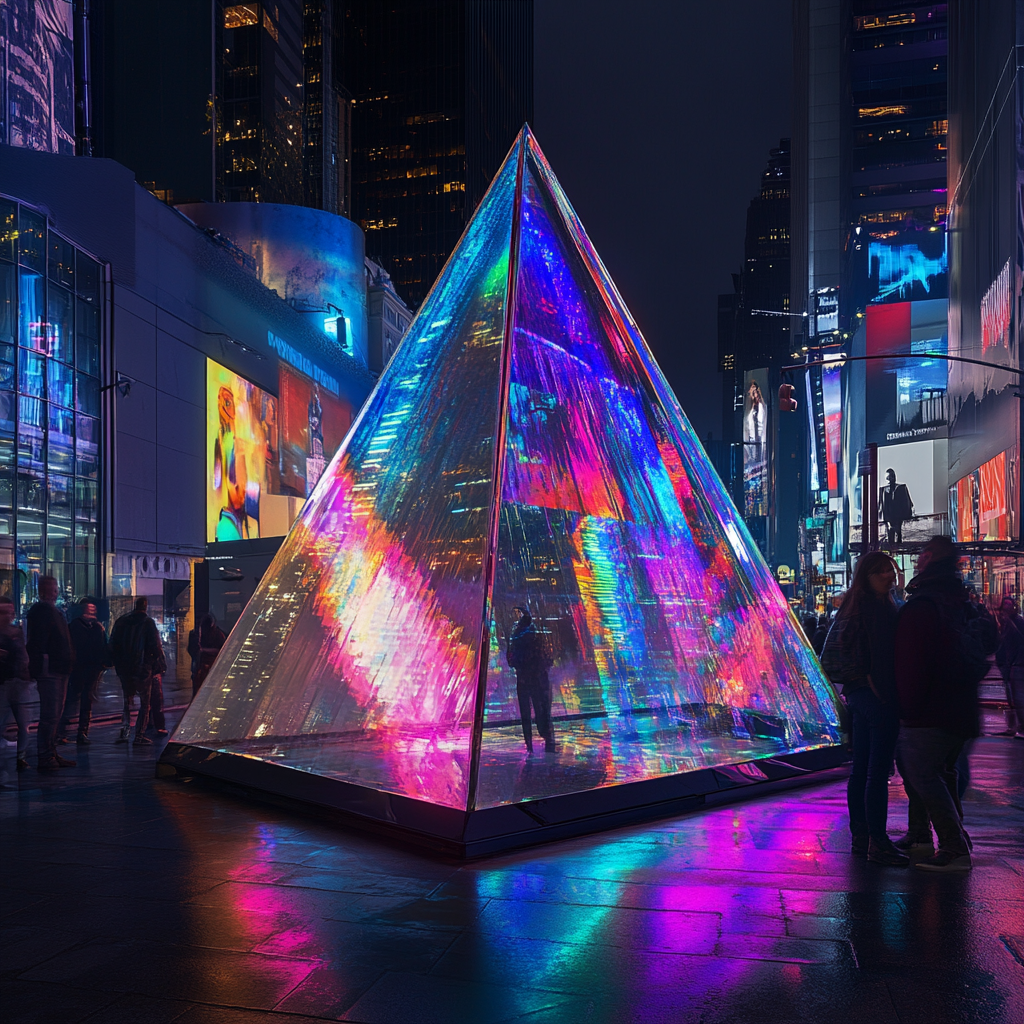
528, 655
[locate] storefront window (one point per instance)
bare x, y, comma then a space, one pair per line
50, 334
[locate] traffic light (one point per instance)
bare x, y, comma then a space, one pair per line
787, 403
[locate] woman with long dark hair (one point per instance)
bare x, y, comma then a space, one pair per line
860, 657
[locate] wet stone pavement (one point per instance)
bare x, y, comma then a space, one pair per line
124, 898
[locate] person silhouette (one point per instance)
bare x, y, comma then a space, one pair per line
528, 655
895, 507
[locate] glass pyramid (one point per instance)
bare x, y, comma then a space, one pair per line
522, 450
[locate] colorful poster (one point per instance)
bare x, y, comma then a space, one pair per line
755, 443
241, 454
313, 424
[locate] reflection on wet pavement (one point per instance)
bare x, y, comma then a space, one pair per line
125, 898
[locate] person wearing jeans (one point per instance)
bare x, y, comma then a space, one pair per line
859, 656
51, 658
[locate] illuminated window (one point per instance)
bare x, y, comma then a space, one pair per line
938, 127
240, 15
876, 21
881, 111
269, 26
455, 186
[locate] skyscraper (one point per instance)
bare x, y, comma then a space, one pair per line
755, 338
439, 88
37, 75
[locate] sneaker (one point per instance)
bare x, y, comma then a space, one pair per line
63, 762
859, 846
82, 740
946, 861
22, 764
886, 853
48, 766
909, 842
122, 737
161, 732
62, 740
142, 741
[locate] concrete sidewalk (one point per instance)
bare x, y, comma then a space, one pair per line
127, 898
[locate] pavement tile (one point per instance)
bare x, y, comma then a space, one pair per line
666, 930
398, 998
29, 1002
136, 1009
192, 973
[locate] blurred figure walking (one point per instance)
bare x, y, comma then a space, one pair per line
939, 663
1010, 659
92, 659
211, 640
16, 685
859, 656
138, 655
50, 658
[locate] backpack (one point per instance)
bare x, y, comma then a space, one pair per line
845, 658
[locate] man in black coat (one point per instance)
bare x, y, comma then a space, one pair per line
528, 655
138, 655
50, 660
92, 659
938, 666
895, 507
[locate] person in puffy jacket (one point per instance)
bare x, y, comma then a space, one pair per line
859, 656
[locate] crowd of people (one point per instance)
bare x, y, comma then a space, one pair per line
908, 669
60, 665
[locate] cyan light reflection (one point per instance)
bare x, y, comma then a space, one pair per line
673, 649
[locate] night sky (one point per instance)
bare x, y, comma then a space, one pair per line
657, 117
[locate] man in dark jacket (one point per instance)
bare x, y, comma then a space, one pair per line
895, 507
528, 655
138, 655
938, 702
92, 659
50, 660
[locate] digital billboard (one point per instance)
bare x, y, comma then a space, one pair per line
241, 455
755, 443
832, 404
313, 423
983, 504
906, 395
911, 266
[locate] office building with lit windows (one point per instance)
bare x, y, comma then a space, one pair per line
755, 338
440, 89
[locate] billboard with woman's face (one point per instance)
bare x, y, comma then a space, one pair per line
755, 443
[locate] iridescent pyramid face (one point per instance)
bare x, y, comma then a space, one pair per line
522, 451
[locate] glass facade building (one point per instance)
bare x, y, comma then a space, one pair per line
51, 330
